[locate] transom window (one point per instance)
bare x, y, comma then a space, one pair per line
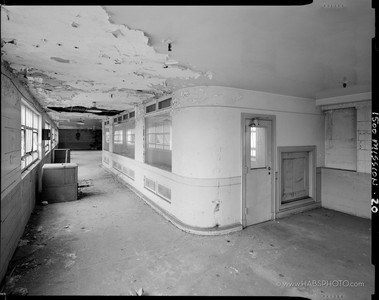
29, 136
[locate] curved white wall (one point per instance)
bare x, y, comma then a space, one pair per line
206, 177
206, 142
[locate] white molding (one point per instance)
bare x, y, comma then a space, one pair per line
344, 99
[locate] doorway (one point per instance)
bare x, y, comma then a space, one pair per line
258, 169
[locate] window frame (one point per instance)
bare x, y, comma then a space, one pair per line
29, 124
165, 147
47, 143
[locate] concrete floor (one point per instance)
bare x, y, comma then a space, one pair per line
111, 243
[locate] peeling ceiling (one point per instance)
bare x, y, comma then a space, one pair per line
119, 56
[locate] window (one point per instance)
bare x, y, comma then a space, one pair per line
164, 103
341, 139
117, 137
124, 139
54, 137
106, 138
150, 108
158, 141
47, 142
29, 136
257, 147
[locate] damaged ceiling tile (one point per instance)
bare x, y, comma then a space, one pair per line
67, 60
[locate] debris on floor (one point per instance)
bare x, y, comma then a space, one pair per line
45, 203
140, 292
253, 254
23, 242
20, 291
85, 183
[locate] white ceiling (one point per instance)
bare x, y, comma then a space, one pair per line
120, 53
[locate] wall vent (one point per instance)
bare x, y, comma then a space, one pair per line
128, 172
150, 184
164, 192
131, 173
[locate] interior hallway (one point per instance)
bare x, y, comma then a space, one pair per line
111, 243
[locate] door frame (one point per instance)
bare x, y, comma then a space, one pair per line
272, 118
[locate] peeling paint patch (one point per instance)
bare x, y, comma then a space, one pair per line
92, 61
61, 60
117, 33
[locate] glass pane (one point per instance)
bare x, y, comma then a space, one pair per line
35, 121
35, 155
159, 128
28, 142
35, 141
22, 115
253, 139
159, 139
258, 147
150, 129
29, 118
22, 142
151, 138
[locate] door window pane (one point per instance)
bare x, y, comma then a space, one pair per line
258, 147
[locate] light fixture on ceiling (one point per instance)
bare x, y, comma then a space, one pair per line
344, 82
254, 123
169, 44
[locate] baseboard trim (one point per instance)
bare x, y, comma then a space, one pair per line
173, 220
297, 209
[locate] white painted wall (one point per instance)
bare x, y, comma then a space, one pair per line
206, 177
346, 191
